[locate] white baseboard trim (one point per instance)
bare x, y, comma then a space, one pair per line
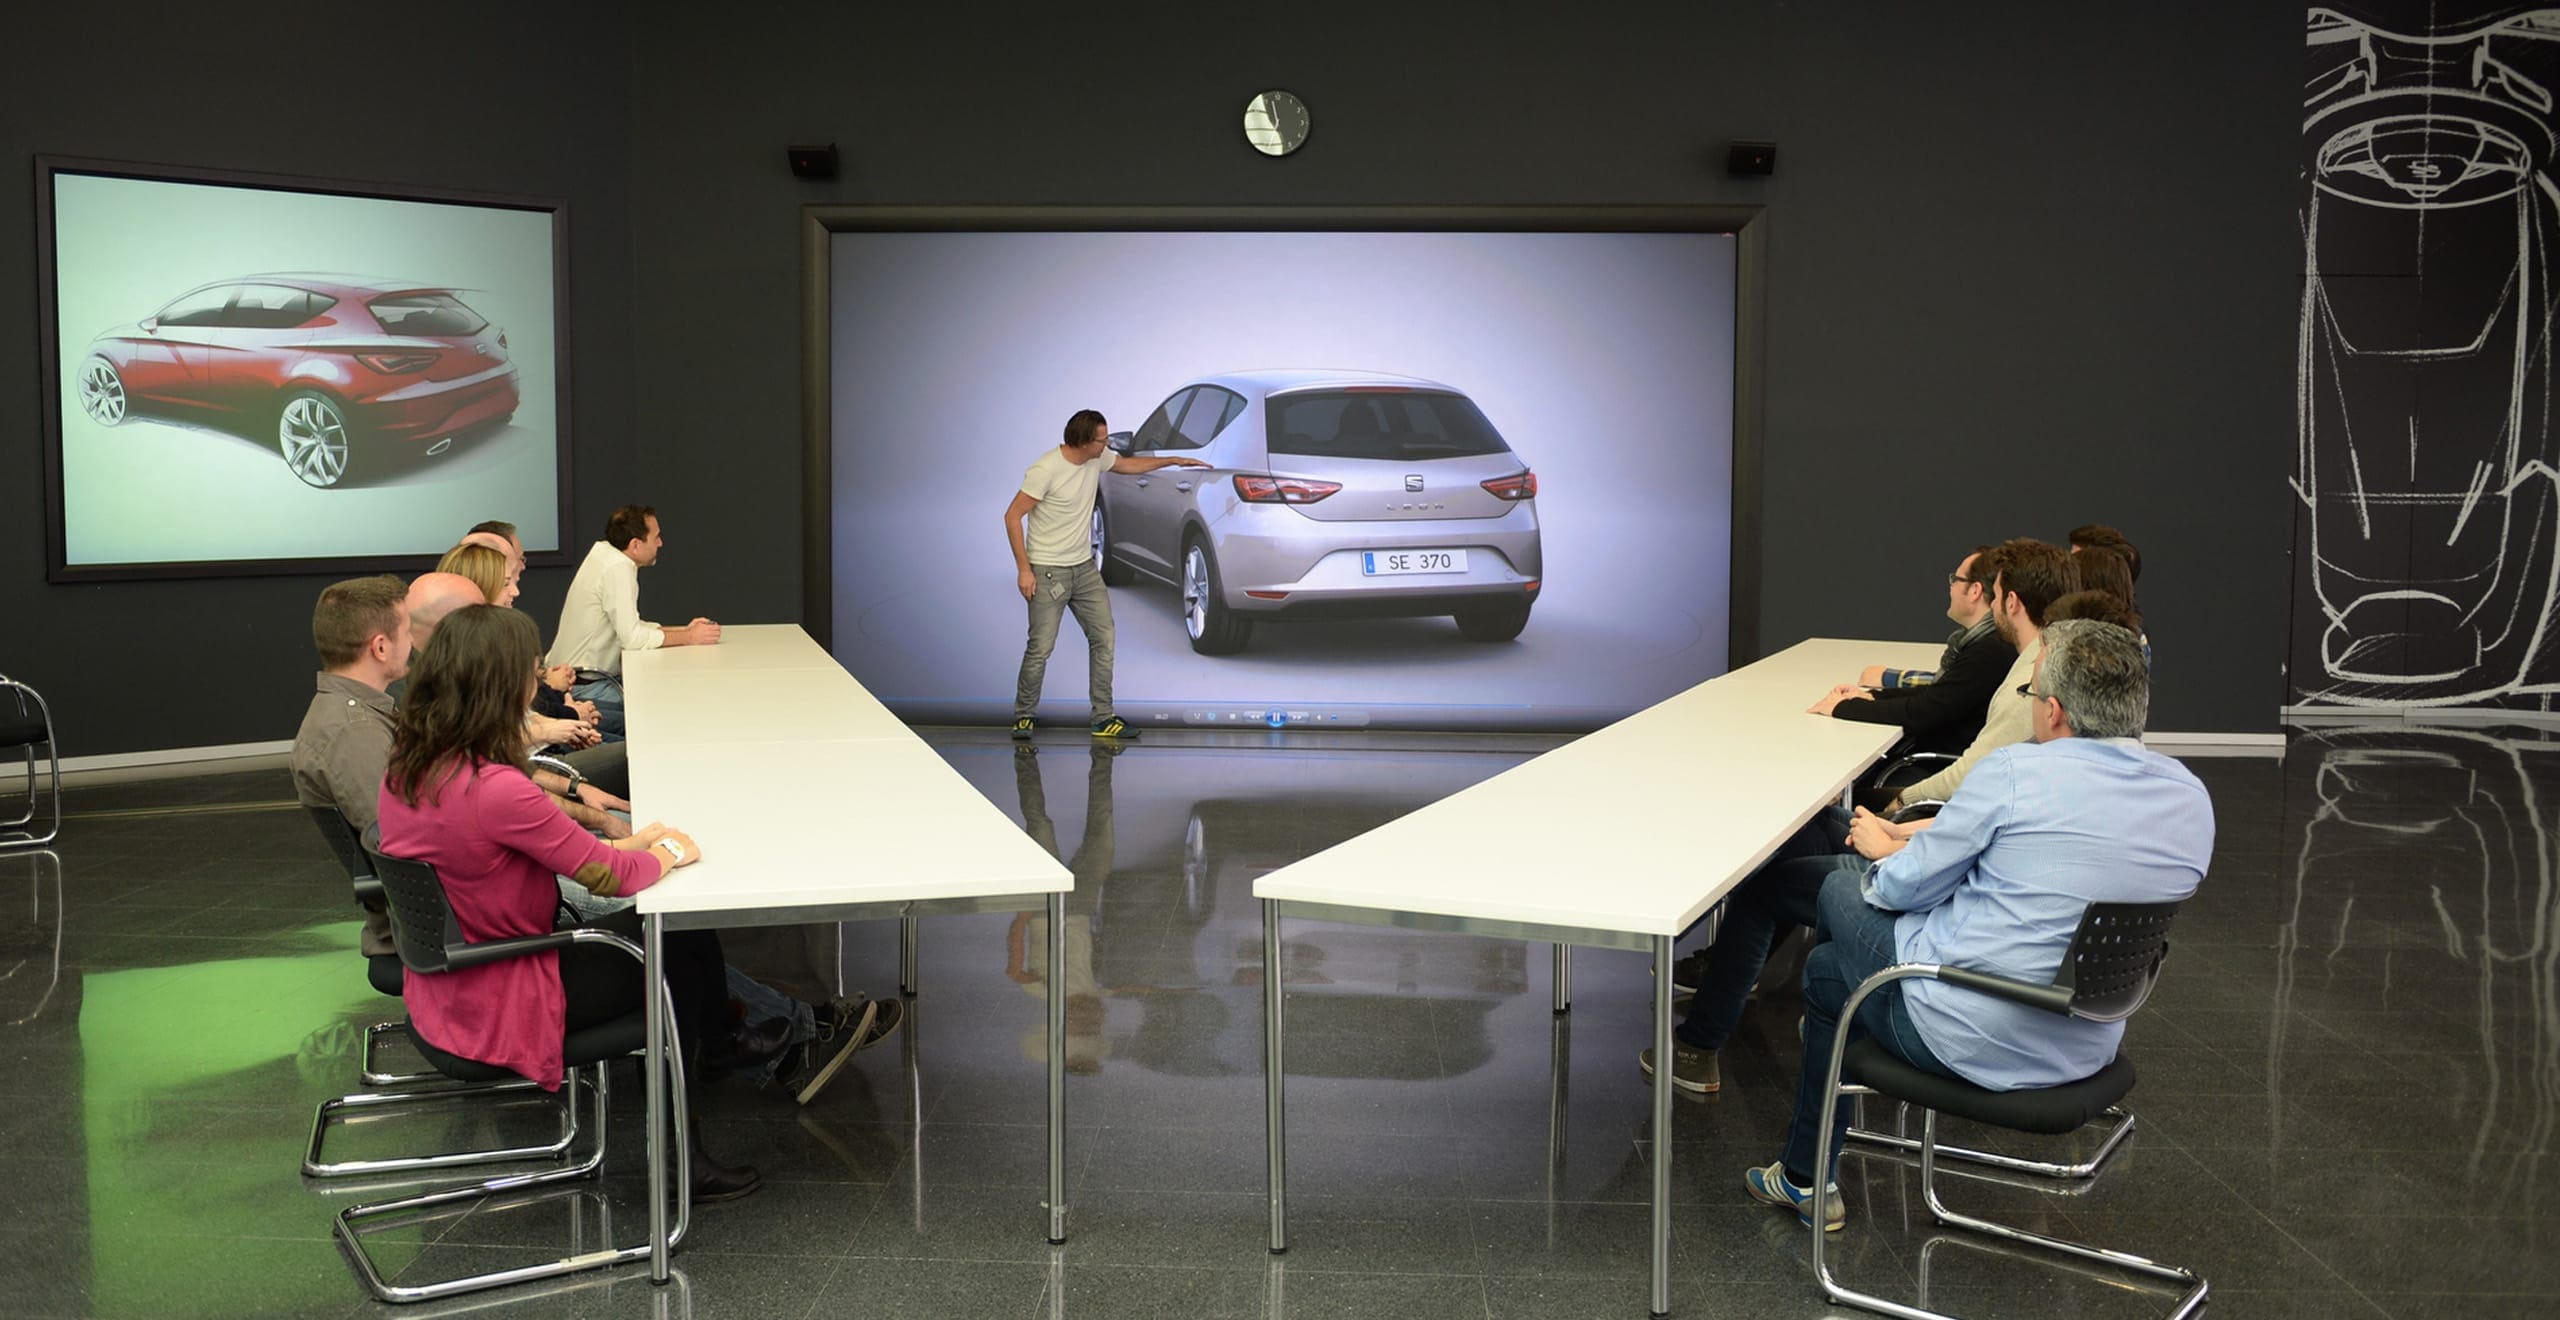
2456, 716
2216, 744
171, 762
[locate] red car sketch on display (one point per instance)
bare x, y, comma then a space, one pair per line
344, 371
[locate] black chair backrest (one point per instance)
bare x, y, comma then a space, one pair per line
22, 718
422, 922
345, 845
2115, 958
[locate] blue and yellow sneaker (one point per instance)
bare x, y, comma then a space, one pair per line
1022, 729
1113, 727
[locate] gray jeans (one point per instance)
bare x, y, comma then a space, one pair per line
1065, 586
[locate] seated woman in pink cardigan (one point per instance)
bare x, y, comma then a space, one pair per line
457, 798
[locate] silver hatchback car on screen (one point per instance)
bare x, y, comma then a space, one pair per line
1328, 495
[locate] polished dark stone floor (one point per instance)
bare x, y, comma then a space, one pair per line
2351, 1079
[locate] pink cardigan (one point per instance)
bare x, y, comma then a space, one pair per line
497, 840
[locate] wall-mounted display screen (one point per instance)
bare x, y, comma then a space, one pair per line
1452, 480
249, 376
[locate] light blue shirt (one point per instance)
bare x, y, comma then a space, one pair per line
2037, 833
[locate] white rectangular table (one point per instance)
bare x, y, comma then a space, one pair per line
1621, 840
811, 803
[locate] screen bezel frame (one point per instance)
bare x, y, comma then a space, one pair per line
1748, 225
49, 359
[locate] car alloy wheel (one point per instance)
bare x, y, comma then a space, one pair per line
313, 435
102, 392
1214, 629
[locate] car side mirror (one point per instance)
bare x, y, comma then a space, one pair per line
151, 324
1122, 442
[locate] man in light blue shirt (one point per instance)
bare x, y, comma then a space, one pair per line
2038, 831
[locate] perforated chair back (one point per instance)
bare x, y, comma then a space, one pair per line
2115, 957
343, 843
422, 922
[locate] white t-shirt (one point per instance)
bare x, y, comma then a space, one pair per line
1060, 530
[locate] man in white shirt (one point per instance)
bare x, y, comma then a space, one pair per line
601, 618
1053, 559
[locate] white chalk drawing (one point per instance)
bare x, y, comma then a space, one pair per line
2428, 505
2431, 854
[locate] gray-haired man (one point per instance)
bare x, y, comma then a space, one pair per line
2083, 814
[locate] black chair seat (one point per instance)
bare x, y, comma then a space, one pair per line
2050, 1111
383, 970
20, 727
605, 1040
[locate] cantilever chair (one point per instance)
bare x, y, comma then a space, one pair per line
2121, 1120
2110, 969
26, 723
431, 944
415, 1089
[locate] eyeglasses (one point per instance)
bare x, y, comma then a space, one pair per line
1954, 578
2028, 690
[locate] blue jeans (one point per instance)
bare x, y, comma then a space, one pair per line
763, 1002
1780, 894
1058, 588
607, 694
1855, 942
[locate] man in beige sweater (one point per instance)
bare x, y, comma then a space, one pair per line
2031, 575
2026, 577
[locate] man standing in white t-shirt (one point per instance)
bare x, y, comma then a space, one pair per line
1054, 557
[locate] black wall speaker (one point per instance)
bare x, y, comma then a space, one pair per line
818, 162
1751, 158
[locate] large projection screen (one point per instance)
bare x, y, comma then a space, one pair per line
247, 375
1603, 362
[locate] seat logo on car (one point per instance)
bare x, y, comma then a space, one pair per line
1413, 481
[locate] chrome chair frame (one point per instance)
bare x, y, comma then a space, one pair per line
19, 832
450, 953
35, 919
421, 1088
1900, 1137
2059, 998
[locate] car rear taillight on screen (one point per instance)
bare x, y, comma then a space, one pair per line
397, 364
1283, 490
1518, 486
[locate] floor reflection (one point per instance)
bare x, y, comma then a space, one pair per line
2350, 1077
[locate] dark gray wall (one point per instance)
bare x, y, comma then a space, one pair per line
2030, 266
489, 97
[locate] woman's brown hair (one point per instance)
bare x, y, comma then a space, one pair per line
469, 688
486, 568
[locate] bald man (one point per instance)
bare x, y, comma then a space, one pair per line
604, 770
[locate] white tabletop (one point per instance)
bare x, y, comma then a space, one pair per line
705, 705
745, 646
1638, 828
798, 793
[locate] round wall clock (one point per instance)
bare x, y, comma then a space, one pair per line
1276, 123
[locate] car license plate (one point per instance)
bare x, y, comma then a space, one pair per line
1397, 563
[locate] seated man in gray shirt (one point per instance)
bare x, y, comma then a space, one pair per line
363, 631
2083, 814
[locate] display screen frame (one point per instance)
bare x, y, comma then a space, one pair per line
1747, 225
50, 353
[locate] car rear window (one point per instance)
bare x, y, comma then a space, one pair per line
426, 314
1404, 425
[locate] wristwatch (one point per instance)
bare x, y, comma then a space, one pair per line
674, 848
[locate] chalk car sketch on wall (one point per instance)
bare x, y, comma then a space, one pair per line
2423, 472
1329, 495
342, 370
